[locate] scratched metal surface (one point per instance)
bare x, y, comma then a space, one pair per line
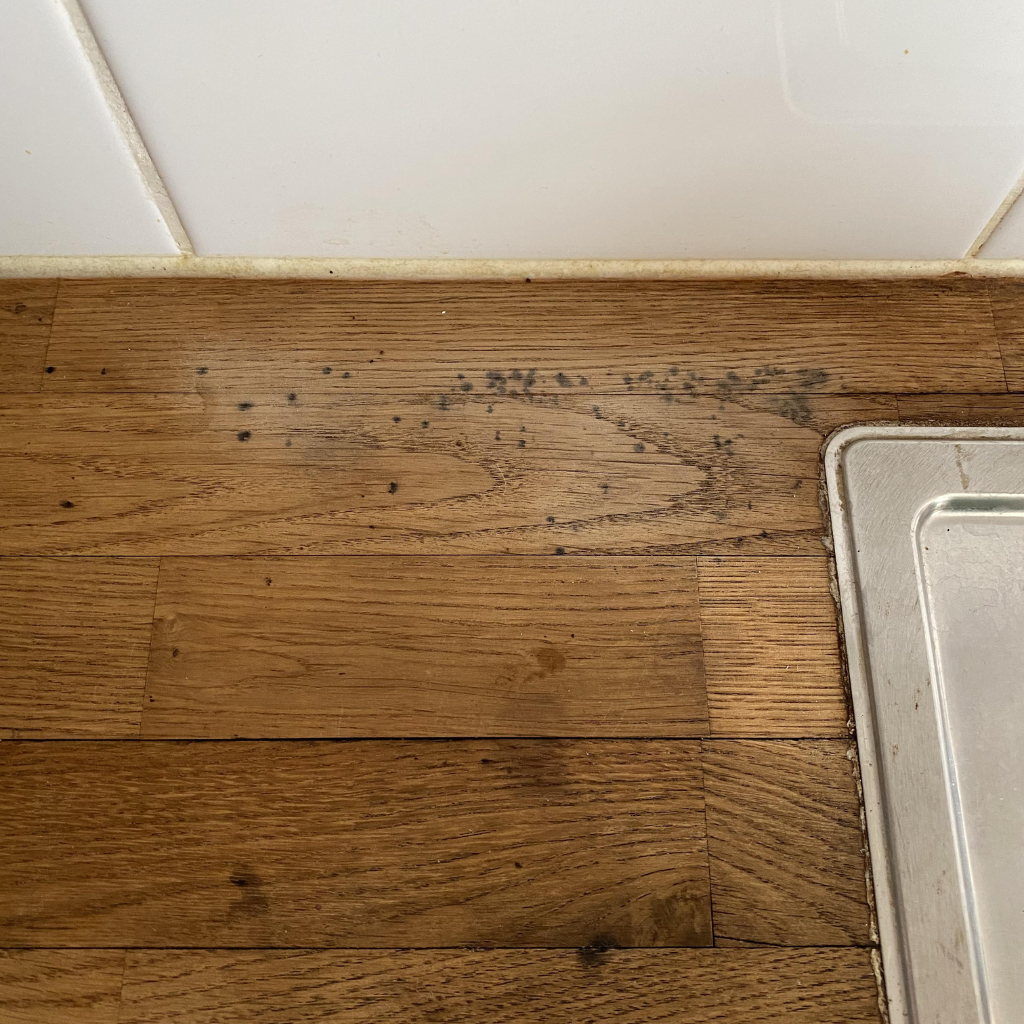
928, 526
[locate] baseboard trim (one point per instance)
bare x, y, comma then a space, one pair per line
496, 270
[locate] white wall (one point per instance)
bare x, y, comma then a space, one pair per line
524, 128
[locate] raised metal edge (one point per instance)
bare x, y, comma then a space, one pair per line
878, 831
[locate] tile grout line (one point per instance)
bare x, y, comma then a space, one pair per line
342, 268
150, 177
997, 218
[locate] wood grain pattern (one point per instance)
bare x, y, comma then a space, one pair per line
963, 410
75, 639
265, 474
685, 986
412, 844
1007, 299
426, 647
770, 646
787, 863
68, 986
716, 337
26, 315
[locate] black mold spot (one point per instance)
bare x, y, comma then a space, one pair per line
673, 370
584, 381
517, 864
292, 396
443, 403
597, 412
242, 406
174, 653
468, 386
244, 435
202, 371
522, 443
638, 447
288, 443
497, 435
559, 551
67, 504
797, 484
50, 369
269, 580
563, 381
551, 519
490, 408
460, 376
326, 370
392, 487
103, 372
627, 379
605, 488
396, 419
424, 424
346, 374
646, 375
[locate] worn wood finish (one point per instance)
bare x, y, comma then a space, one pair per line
255, 844
26, 315
685, 986
770, 647
74, 637
68, 986
787, 337
787, 860
426, 647
263, 474
1007, 299
963, 410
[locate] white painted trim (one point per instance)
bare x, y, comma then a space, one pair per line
150, 176
994, 221
497, 270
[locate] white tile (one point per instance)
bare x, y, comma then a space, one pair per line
575, 128
68, 184
1007, 241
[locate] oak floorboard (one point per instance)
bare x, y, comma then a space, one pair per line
771, 653
784, 835
75, 638
353, 844
685, 986
66, 986
554, 337
265, 474
378, 647
26, 316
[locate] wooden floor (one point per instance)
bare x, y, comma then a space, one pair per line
443, 652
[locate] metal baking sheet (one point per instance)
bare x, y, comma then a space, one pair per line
928, 526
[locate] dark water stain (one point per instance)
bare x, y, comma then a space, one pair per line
251, 897
592, 954
550, 659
